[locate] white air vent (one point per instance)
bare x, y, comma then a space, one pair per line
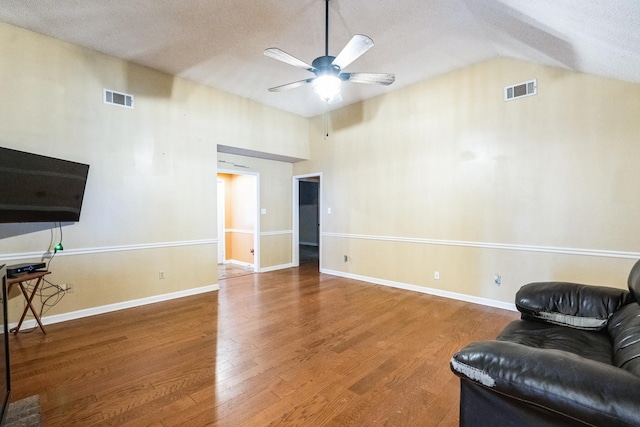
117, 98
521, 90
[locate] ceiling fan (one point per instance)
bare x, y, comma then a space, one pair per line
328, 69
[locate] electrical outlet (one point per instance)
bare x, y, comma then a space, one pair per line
67, 288
161, 275
436, 275
497, 279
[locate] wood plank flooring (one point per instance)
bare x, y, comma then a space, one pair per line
285, 348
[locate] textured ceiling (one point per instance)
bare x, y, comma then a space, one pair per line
221, 42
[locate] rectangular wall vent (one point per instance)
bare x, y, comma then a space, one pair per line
117, 98
521, 90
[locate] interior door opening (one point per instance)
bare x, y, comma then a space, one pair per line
238, 225
307, 229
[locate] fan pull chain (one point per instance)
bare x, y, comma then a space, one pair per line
325, 124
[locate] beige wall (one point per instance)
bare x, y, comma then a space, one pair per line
150, 202
446, 176
239, 246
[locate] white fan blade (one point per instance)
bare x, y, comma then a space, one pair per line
358, 45
371, 78
290, 85
283, 56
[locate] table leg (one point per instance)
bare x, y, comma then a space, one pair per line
29, 306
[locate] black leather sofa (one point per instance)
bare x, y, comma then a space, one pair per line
573, 359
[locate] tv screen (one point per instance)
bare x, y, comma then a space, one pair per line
35, 188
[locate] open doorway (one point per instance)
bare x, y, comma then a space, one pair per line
238, 225
307, 229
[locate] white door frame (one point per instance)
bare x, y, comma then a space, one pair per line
222, 244
295, 215
256, 228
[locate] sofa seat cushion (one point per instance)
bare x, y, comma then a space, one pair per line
624, 328
593, 345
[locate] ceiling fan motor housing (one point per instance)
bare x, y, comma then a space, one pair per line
324, 65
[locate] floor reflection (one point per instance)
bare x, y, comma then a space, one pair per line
226, 271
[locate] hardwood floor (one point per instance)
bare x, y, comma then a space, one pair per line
289, 347
228, 271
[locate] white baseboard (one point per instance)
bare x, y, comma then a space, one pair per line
240, 263
79, 314
275, 267
424, 290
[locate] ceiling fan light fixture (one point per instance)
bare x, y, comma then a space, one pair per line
328, 69
327, 86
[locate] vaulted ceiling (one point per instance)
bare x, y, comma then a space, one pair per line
221, 42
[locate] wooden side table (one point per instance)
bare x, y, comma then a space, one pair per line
20, 279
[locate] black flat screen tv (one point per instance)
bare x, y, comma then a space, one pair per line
35, 188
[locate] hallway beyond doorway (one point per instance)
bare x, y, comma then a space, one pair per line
309, 254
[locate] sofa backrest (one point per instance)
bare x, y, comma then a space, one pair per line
634, 281
624, 330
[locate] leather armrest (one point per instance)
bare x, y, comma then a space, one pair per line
593, 392
571, 304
